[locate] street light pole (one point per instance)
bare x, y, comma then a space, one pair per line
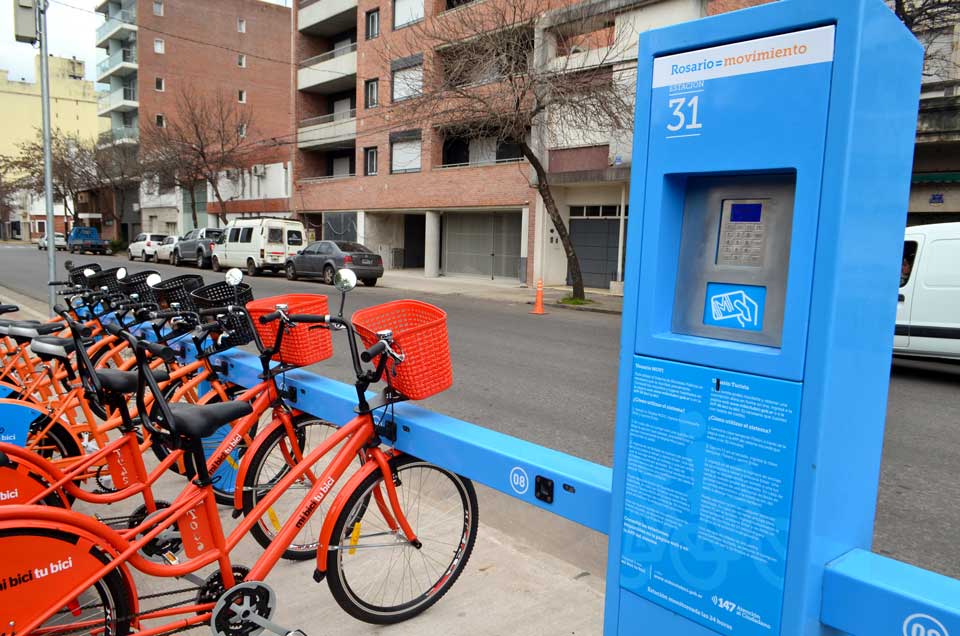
41, 9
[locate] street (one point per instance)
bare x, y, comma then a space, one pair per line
551, 380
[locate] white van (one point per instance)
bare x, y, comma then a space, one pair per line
928, 307
258, 244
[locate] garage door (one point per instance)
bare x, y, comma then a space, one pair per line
595, 242
482, 244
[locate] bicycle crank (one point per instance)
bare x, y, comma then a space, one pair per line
246, 610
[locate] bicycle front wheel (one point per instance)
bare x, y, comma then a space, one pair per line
374, 573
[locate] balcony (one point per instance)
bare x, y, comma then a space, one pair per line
119, 101
102, 6
122, 62
119, 135
326, 17
939, 120
326, 132
332, 72
118, 26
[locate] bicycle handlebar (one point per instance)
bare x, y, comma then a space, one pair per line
378, 347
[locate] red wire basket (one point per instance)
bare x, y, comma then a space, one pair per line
304, 344
420, 333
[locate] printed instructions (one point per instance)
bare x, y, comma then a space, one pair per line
710, 469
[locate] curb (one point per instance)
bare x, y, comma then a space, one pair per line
596, 310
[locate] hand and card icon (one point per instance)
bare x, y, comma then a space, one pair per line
735, 306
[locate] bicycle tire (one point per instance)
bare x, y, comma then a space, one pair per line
266, 469
108, 597
347, 545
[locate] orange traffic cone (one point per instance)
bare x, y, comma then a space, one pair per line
538, 303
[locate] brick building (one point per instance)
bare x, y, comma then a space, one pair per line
425, 199
238, 48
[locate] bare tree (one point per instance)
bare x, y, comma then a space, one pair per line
207, 136
170, 162
934, 23
72, 167
524, 74
116, 168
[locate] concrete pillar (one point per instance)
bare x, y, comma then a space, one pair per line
431, 246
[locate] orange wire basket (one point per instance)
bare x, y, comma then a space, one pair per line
420, 333
302, 345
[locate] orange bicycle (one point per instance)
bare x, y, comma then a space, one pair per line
395, 539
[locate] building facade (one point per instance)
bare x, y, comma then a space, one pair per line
73, 110
425, 199
157, 50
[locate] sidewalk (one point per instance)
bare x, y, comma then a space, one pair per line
510, 291
511, 586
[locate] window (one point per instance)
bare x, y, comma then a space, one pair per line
407, 82
325, 248
371, 93
242, 60
246, 235
234, 235
405, 152
42, 227
158, 84
161, 121
406, 12
274, 235
158, 7
373, 24
909, 256
242, 96
159, 46
241, 25
294, 237
241, 130
597, 211
369, 161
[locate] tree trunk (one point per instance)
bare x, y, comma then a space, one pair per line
543, 188
222, 215
193, 205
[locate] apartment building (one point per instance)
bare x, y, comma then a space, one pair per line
73, 109
240, 49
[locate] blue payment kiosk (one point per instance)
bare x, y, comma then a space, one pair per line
770, 200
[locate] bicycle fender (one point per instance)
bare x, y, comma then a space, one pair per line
18, 415
20, 486
339, 502
59, 520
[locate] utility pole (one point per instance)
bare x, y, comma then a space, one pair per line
30, 25
41, 10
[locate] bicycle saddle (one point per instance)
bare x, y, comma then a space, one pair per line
50, 347
6, 324
24, 332
6, 309
202, 420
119, 381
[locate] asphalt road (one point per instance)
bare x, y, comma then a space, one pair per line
551, 380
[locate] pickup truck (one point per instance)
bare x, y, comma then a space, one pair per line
196, 246
87, 239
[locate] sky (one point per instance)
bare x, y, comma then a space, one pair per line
72, 33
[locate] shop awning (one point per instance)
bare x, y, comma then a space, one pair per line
937, 177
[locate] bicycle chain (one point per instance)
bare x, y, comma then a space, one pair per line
130, 617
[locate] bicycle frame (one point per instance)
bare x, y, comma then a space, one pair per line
195, 513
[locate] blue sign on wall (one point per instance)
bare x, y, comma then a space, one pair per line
709, 481
735, 306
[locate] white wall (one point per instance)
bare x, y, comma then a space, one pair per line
245, 186
382, 233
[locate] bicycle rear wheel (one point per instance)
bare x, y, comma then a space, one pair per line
269, 464
374, 573
47, 564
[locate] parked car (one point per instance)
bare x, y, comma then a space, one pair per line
59, 241
258, 244
87, 239
928, 305
196, 246
165, 251
145, 246
323, 259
